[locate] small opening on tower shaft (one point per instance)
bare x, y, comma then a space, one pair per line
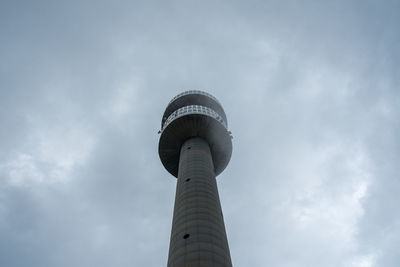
189, 147
186, 236
188, 179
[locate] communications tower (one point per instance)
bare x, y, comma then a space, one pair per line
195, 146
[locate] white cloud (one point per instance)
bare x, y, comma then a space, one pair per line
50, 155
363, 261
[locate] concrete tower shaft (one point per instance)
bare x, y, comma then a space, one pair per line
198, 236
195, 146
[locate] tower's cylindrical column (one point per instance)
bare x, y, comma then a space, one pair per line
198, 235
195, 146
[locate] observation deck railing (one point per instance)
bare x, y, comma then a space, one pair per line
194, 109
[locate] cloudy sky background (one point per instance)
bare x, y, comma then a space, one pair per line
311, 91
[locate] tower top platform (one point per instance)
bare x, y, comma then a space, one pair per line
194, 114
193, 97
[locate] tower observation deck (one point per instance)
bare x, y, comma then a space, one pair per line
195, 146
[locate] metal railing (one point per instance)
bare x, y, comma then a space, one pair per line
194, 109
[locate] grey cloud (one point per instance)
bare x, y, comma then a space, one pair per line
311, 98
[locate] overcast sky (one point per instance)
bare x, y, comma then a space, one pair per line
311, 91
